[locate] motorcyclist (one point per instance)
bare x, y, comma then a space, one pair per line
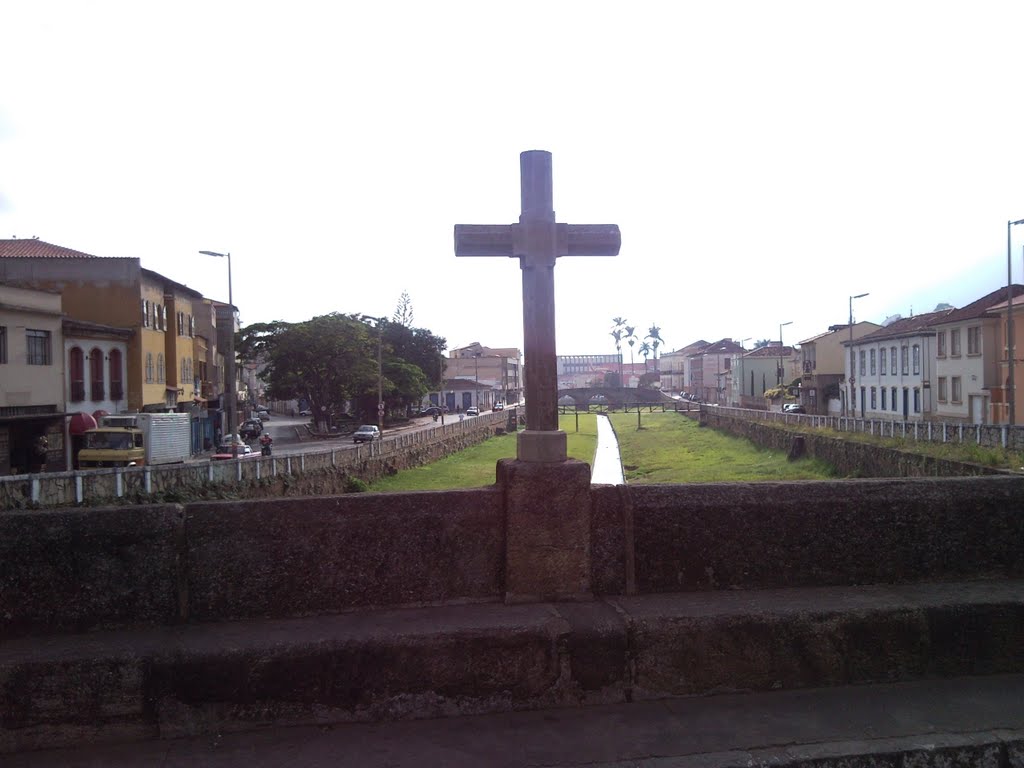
265, 442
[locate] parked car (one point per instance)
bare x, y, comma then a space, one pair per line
251, 429
224, 451
472, 411
793, 408
499, 407
305, 412
366, 433
261, 412
430, 410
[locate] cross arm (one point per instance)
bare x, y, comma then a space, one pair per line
484, 240
593, 240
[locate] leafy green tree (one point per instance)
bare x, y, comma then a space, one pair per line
327, 360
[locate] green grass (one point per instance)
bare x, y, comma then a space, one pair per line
476, 466
669, 448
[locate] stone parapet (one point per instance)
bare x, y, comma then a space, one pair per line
85, 569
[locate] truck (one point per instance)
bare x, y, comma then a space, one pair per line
127, 440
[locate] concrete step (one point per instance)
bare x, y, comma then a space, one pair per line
472, 659
950, 722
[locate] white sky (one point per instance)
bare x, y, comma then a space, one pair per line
764, 160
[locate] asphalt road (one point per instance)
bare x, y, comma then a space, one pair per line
285, 430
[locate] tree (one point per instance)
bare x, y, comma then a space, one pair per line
762, 343
403, 312
631, 340
654, 334
645, 350
327, 360
618, 323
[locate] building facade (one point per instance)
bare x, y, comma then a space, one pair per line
32, 405
894, 374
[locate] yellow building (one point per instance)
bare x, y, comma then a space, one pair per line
118, 292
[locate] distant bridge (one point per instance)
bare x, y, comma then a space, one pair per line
613, 397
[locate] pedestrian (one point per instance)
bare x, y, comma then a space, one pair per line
40, 447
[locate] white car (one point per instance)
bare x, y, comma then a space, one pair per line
472, 411
366, 434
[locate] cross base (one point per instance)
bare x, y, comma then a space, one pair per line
541, 446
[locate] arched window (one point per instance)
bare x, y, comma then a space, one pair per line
76, 374
149, 367
96, 375
116, 381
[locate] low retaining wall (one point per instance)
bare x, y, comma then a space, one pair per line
320, 472
849, 457
88, 568
674, 538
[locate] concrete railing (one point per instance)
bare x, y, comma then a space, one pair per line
57, 489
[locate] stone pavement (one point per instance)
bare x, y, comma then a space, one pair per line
959, 722
607, 467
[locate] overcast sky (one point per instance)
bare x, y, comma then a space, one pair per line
764, 160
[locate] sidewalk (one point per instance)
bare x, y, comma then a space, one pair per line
607, 468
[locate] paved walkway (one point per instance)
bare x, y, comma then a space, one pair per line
970, 720
607, 468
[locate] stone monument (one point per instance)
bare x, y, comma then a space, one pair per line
547, 495
537, 241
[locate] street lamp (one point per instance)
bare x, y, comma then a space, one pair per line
476, 378
380, 368
229, 373
849, 401
1011, 394
781, 325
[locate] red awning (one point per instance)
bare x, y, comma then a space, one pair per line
99, 414
80, 422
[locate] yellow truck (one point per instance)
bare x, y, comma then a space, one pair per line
127, 440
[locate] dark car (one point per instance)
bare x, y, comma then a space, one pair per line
251, 429
431, 410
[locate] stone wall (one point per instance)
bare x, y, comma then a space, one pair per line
87, 568
848, 457
90, 568
715, 536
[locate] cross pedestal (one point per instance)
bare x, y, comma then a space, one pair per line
537, 241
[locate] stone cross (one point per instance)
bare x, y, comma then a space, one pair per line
537, 241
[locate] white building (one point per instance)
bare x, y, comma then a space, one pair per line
895, 370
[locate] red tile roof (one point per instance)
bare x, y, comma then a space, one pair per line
978, 308
907, 326
39, 249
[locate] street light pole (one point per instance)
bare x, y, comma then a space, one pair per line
781, 377
229, 372
849, 401
380, 374
476, 378
1011, 389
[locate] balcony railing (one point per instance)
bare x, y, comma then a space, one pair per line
116, 390
77, 391
97, 391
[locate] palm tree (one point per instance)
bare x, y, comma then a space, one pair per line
630, 338
645, 350
617, 325
654, 334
